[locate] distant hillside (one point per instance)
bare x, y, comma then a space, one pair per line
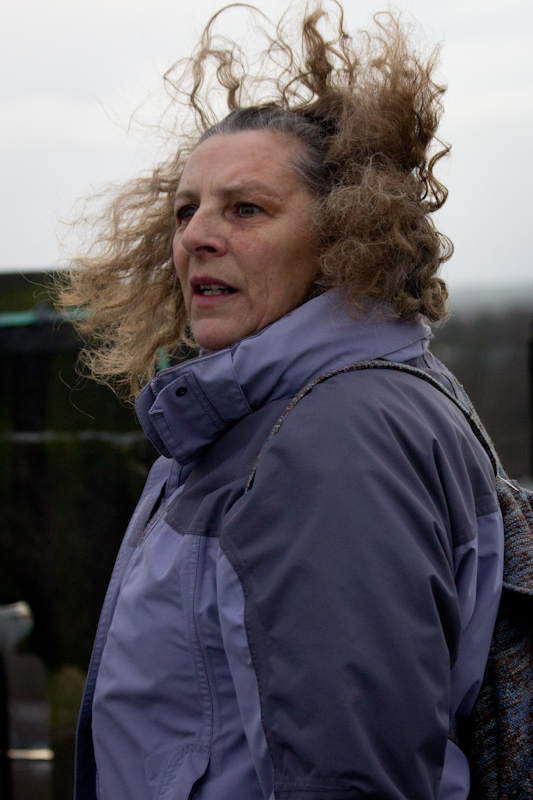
489, 349
504, 296
19, 291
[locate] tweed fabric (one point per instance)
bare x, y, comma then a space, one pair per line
499, 739
500, 736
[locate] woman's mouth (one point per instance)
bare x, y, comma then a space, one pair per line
212, 289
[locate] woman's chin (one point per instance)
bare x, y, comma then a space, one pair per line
210, 336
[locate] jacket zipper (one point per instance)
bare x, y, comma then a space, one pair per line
152, 522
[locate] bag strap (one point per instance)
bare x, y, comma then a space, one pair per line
467, 409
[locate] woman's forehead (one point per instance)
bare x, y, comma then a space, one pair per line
245, 157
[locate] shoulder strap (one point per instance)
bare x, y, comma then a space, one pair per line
466, 408
516, 503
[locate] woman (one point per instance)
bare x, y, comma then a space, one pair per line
299, 608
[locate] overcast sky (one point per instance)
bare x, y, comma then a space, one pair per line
75, 70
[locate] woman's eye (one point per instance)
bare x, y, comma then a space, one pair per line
248, 209
185, 213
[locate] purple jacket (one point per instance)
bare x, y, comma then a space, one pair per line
319, 635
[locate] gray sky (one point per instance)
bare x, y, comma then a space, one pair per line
75, 70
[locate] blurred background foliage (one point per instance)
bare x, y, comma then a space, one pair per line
73, 462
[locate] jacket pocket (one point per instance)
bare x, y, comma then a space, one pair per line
171, 774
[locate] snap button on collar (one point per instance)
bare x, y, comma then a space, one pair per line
181, 391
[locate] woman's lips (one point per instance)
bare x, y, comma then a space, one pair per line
213, 289
207, 292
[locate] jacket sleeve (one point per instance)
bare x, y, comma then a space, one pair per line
344, 550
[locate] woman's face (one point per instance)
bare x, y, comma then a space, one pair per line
244, 249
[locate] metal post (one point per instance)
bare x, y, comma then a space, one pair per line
6, 785
15, 623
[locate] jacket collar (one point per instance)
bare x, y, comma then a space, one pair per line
186, 408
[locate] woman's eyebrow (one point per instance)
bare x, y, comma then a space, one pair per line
231, 191
185, 194
250, 186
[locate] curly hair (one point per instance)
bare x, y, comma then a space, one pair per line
365, 111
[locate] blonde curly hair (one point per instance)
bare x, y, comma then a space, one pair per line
366, 112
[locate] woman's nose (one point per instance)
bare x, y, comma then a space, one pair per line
203, 234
